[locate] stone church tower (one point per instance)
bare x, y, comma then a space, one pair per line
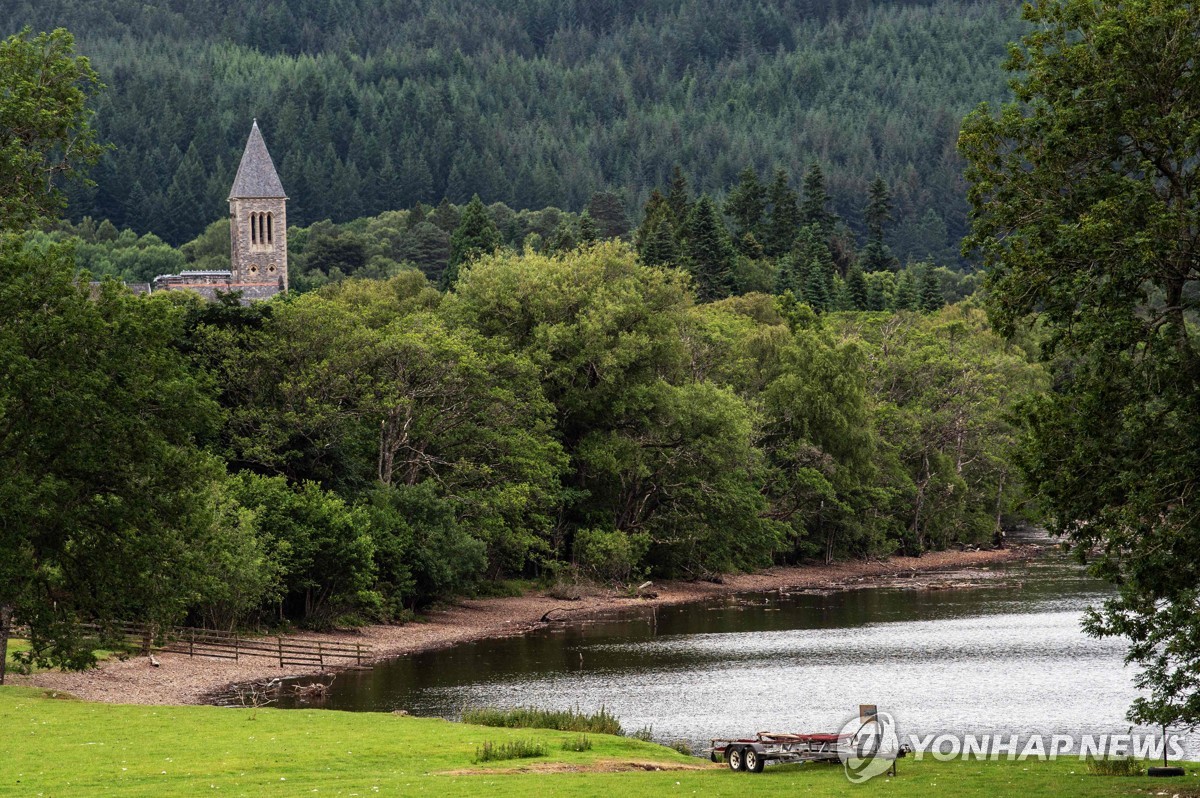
258, 220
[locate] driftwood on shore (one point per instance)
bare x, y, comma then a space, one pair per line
315, 690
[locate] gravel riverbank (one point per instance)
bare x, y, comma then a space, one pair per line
183, 680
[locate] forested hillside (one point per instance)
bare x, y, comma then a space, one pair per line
372, 105
692, 388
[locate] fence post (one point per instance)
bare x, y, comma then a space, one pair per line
358, 653
320, 655
279, 640
191, 643
235, 647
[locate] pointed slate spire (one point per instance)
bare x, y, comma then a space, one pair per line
256, 176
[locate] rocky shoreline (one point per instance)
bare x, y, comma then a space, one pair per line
179, 679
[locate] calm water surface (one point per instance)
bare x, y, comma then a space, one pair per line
1005, 657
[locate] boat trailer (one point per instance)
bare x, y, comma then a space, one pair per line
753, 754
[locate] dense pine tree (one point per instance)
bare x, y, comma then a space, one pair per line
906, 297
656, 240
606, 211
707, 252
856, 289
679, 197
746, 206
589, 231
931, 298
877, 298
815, 207
783, 222
475, 235
616, 104
817, 288
876, 255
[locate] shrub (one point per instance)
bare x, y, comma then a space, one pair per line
1115, 767
612, 555
580, 743
514, 749
682, 746
572, 720
645, 734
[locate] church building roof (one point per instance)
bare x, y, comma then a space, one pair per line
256, 176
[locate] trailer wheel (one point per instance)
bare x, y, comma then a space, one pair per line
734, 757
714, 757
754, 761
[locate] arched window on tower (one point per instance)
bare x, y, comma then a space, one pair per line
253, 229
270, 236
262, 228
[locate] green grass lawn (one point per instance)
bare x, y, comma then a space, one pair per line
57, 747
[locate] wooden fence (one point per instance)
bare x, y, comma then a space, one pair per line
233, 645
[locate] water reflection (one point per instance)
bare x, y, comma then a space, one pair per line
1005, 657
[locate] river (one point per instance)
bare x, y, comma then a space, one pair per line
1005, 655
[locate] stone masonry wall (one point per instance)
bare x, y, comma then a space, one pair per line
258, 263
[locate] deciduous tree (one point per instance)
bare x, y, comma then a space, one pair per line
46, 135
104, 489
1084, 195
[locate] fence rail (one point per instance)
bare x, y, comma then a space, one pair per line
233, 645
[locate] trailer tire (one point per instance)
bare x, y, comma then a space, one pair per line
734, 755
1167, 772
714, 757
754, 760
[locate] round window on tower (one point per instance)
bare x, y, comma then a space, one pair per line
271, 268
254, 270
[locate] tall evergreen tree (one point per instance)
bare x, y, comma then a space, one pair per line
656, 239
746, 206
876, 256
186, 200
809, 252
877, 298
815, 207
475, 235
783, 223
679, 197
931, 298
879, 208
707, 251
906, 296
856, 289
817, 291
589, 231
607, 213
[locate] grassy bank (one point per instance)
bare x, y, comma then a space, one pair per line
60, 747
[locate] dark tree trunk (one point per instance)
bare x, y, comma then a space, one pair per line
6, 614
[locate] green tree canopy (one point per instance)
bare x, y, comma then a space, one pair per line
45, 125
1085, 199
107, 497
